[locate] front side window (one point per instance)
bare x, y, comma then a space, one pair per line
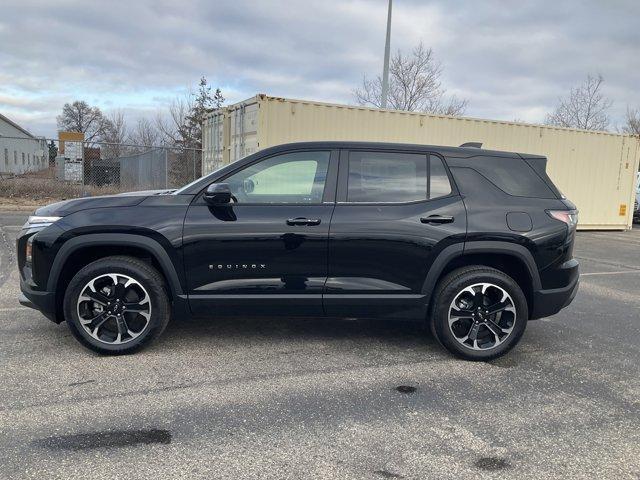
387, 177
297, 177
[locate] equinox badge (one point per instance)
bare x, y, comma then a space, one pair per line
238, 266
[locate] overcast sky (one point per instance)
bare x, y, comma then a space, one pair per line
511, 59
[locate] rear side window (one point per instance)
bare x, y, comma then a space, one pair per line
388, 177
439, 185
512, 175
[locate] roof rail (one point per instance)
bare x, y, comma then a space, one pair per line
472, 144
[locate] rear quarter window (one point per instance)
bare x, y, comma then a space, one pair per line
512, 175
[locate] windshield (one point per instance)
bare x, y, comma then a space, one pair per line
181, 190
187, 186
197, 180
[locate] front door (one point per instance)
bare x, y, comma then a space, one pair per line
395, 212
266, 252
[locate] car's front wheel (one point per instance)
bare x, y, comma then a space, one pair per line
116, 305
478, 313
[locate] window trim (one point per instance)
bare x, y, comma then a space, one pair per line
343, 180
330, 184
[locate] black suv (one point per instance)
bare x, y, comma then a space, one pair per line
475, 242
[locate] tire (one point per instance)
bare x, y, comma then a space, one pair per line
123, 326
469, 328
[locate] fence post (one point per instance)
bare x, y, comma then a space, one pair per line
166, 169
82, 188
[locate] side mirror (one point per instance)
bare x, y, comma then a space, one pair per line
218, 194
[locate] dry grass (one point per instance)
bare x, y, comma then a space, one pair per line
40, 186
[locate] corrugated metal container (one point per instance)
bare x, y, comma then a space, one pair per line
596, 170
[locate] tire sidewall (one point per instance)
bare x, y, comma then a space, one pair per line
451, 287
147, 277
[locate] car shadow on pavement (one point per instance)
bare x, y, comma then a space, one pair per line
392, 330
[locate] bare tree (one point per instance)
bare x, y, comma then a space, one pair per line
632, 125
586, 107
115, 135
144, 133
414, 85
172, 126
116, 130
182, 127
79, 116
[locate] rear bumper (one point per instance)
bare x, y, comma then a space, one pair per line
45, 302
549, 302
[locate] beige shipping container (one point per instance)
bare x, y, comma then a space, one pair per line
595, 170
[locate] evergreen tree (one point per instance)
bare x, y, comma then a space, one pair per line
204, 102
53, 152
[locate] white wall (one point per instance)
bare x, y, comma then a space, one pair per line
20, 153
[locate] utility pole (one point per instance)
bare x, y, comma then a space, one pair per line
385, 69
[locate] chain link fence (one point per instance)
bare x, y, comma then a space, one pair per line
39, 168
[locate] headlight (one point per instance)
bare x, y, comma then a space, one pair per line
28, 254
36, 220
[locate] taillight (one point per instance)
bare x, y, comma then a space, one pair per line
570, 217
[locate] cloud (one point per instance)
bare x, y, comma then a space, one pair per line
511, 60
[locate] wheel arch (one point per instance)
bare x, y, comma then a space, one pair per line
514, 260
79, 251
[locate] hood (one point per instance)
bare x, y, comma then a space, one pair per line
67, 207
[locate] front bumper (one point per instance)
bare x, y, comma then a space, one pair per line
549, 302
33, 291
45, 302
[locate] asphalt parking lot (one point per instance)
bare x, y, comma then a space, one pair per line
319, 399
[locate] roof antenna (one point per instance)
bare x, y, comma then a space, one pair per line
472, 144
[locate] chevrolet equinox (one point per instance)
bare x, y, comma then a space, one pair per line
474, 242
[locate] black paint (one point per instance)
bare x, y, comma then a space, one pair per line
406, 389
387, 474
492, 464
106, 439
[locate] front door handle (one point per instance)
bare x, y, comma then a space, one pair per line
437, 219
300, 221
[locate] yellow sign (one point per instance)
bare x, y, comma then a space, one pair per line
68, 137
623, 210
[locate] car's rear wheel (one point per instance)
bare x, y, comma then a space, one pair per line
116, 305
478, 313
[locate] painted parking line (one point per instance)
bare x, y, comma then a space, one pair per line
609, 273
14, 309
611, 264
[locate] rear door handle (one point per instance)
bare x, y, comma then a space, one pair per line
437, 219
300, 221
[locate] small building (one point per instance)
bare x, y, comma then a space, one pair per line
20, 151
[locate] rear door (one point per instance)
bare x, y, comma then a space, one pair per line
395, 212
